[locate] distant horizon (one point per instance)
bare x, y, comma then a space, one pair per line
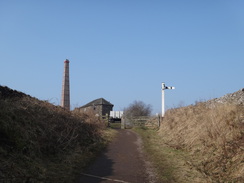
159, 113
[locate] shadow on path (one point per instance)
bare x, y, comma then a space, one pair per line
101, 168
121, 162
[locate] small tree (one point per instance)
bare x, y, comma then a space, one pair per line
138, 108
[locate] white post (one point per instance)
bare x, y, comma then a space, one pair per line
163, 87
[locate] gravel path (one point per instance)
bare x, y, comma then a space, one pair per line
122, 162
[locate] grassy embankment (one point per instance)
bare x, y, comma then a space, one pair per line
41, 142
200, 143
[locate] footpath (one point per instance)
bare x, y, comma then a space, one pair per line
122, 162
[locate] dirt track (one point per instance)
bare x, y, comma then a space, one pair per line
123, 161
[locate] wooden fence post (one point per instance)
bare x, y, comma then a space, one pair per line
122, 123
159, 118
107, 119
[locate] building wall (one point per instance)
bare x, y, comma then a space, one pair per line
106, 109
101, 110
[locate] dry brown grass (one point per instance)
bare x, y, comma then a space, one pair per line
44, 143
170, 164
213, 135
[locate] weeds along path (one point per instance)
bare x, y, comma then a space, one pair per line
123, 161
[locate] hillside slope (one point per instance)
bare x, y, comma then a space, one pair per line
236, 98
40, 142
212, 133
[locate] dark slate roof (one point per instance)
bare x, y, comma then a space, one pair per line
100, 101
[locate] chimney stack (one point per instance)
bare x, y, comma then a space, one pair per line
65, 98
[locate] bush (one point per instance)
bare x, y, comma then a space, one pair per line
41, 142
138, 108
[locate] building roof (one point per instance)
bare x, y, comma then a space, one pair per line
100, 101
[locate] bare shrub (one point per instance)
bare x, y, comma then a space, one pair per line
37, 136
138, 108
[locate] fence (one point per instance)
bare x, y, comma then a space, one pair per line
110, 123
142, 121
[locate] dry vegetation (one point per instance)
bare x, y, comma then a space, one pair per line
170, 164
213, 136
201, 143
44, 143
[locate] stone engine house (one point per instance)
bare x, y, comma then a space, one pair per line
99, 106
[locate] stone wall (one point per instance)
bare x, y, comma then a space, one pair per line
106, 109
236, 98
101, 110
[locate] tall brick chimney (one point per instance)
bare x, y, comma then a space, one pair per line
65, 98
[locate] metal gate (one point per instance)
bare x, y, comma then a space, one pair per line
142, 121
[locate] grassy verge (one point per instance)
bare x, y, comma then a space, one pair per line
172, 165
40, 142
115, 125
212, 134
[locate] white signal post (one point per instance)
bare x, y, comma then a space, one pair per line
165, 88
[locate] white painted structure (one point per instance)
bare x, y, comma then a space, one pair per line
164, 88
116, 114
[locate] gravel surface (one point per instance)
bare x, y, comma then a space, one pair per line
123, 161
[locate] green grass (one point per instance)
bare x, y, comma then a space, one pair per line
115, 125
171, 164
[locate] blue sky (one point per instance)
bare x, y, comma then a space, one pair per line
123, 50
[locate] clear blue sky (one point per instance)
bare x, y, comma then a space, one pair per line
123, 50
